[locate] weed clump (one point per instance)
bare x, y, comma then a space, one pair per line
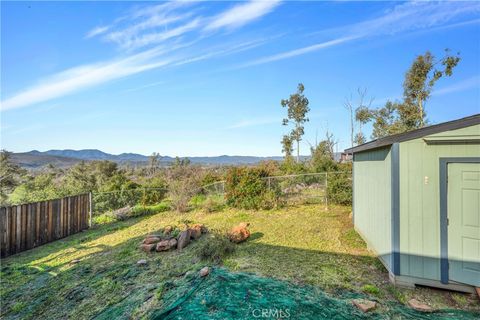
213, 204
371, 289
215, 247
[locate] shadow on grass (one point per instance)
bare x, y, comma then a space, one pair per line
255, 236
74, 241
107, 282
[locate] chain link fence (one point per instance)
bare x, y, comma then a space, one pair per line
308, 188
113, 200
216, 188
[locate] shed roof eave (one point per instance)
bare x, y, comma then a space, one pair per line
415, 134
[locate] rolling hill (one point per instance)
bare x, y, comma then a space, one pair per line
35, 160
65, 158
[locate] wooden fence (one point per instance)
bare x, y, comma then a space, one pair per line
27, 226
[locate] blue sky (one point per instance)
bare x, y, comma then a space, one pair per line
206, 78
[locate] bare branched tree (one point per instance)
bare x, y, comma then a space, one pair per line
356, 108
154, 163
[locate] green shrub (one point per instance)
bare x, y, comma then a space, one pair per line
140, 210
290, 166
118, 192
103, 219
210, 177
339, 189
247, 187
39, 188
153, 193
215, 246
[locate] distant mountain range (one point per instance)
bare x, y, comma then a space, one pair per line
66, 158
93, 154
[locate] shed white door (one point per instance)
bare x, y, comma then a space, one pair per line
464, 222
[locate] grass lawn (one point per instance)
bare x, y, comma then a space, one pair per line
303, 245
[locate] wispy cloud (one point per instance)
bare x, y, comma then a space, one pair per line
97, 31
139, 41
242, 14
76, 79
154, 24
126, 30
153, 84
141, 30
153, 30
466, 84
224, 50
406, 17
298, 52
413, 16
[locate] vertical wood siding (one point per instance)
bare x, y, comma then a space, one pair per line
27, 226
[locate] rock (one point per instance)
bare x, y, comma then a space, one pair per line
477, 289
183, 239
75, 261
239, 233
151, 239
195, 232
167, 230
142, 262
364, 305
166, 245
163, 245
147, 247
203, 228
204, 271
122, 213
419, 306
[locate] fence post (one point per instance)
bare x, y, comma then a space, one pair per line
90, 209
326, 190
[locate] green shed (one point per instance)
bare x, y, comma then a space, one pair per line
416, 203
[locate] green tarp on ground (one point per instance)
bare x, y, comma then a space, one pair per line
227, 295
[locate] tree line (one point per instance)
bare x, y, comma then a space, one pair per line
396, 116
